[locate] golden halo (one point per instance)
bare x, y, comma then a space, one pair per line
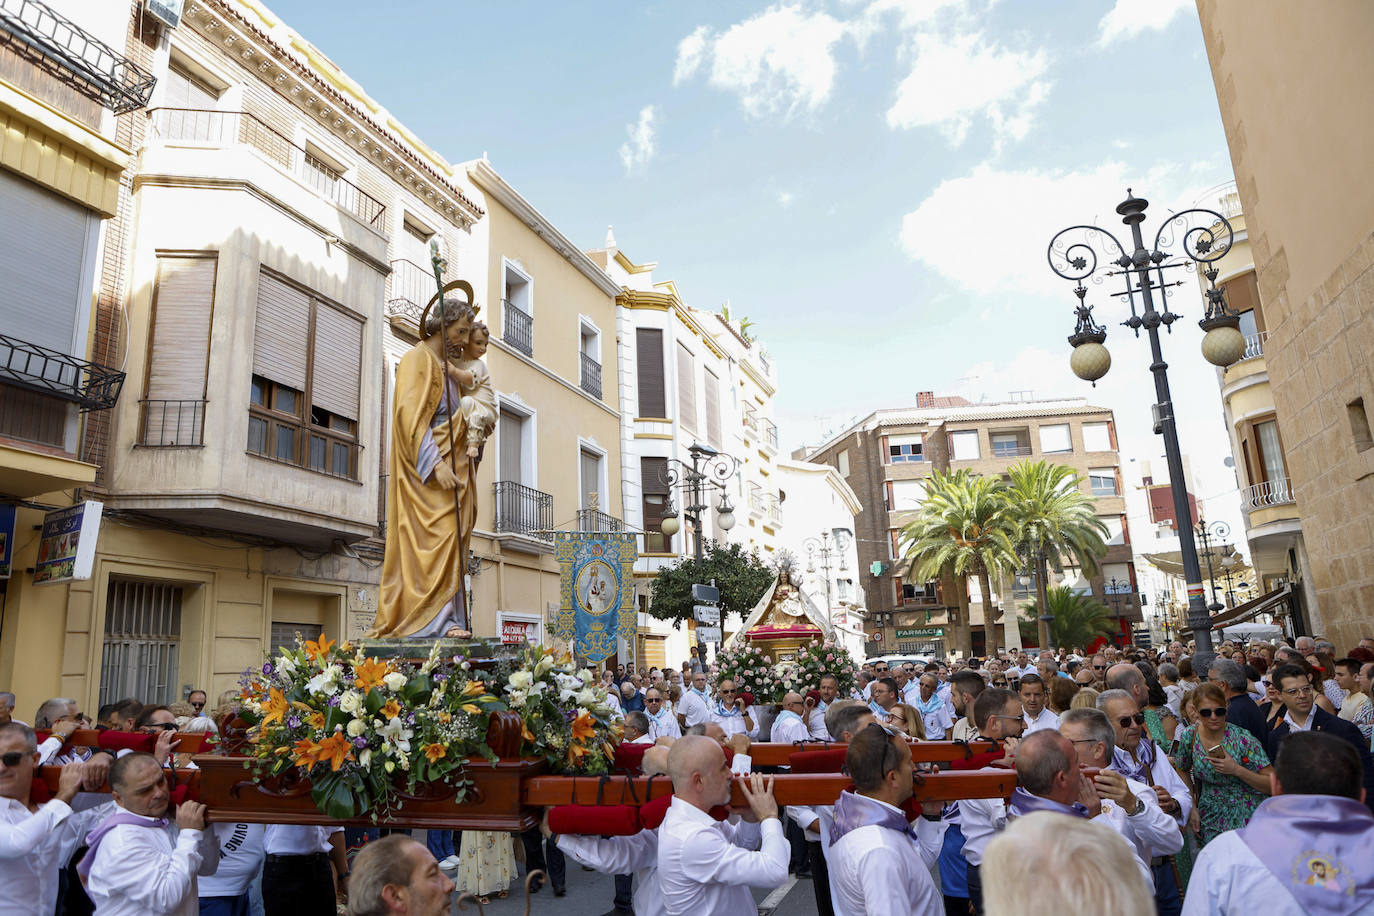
465, 286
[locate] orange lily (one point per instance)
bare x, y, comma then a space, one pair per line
575, 753
392, 709
471, 709
274, 708
336, 749
318, 650
583, 727
435, 752
473, 688
370, 674
525, 733
315, 720
445, 718
307, 753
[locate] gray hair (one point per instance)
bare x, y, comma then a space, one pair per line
1169, 672
1231, 674
1126, 676
638, 720
51, 711
450, 311
698, 729
7, 698
380, 863
1099, 727
30, 739
1107, 696
841, 715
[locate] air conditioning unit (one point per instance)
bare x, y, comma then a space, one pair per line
167, 12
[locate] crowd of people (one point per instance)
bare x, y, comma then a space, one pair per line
1143, 785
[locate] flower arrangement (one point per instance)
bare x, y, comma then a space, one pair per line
819, 657
565, 715
362, 728
752, 670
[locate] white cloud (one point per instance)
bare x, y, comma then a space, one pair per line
636, 152
785, 198
777, 62
957, 78
1129, 18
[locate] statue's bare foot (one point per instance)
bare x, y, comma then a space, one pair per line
457, 633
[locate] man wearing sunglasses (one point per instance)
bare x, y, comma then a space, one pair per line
1298, 695
197, 700
731, 712
662, 722
1138, 757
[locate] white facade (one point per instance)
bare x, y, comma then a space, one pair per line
820, 533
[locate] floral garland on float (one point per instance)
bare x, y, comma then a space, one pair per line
752, 671
365, 731
565, 716
819, 657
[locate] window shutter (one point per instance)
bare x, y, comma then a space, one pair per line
42, 257
338, 361
511, 428
281, 331
181, 328
649, 361
712, 409
591, 481
655, 501
686, 388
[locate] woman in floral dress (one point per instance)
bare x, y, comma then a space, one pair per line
1226, 767
486, 863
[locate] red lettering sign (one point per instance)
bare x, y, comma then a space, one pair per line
514, 632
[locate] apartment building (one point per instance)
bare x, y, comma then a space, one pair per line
888, 456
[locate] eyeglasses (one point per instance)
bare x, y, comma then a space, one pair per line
197, 705
999, 683
1009, 718
723, 691
12, 758
1099, 667
654, 700
1219, 712
1138, 719
1298, 691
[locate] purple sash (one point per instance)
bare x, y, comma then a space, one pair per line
1319, 847
1023, 803
853, 811
97, 836
1125, 764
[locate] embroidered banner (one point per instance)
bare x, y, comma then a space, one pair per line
597, 590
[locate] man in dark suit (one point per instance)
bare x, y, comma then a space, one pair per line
1241, 711
1304, 714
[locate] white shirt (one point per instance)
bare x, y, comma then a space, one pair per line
1046, 720
937, 723
1230, 880
241, 855
283, 840
816, 725
911, 693
734, 725
1293, 724
141, 871
981, 819
622, 855
1165, 776
694, 708
704, 867
874, 870
789, 729
1151, 832
31, 845
1175, 695
663, 726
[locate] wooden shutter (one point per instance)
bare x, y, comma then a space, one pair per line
337, 361
281, 332
180, 342
511, 429
655, 500
649, 360
42, 260
591, 481
686, 387
712, 409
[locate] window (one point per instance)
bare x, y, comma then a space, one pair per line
908, 495
655, 490
319, 171
1359, 425
414, 245
1271, 457
901, 449
511, 464
589, 355
1102, 481
712, 387
1008, 445
842, 462
1116, 529
191, 102
844, 589
649, 366
140, 656
963, 446
517, 310
686, 388
593, 496
178, 349
303, 402
283, 634
1055, 439
1097, 437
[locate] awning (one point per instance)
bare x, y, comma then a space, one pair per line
1265, 604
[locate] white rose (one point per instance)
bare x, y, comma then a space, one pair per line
545, 664
585, 675
587, 698
351, 702
521, 680
326, 682
286, 664
356, 727
395, 680
365, 758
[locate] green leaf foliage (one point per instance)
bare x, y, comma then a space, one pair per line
1078, 619
740, 575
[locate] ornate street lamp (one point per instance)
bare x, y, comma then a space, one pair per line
1114, 589
1202, 237
821, 547
708, 471
1219, 531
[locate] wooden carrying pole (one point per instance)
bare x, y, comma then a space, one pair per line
777, 755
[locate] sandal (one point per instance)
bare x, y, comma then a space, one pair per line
503, 894
485, 901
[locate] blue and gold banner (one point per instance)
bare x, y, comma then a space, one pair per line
597, 589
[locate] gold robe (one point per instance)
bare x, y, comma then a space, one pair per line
428, 527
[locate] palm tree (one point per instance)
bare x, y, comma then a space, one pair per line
1055, 520
1078, 619
965, 527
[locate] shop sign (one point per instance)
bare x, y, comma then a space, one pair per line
66, 545
921, 633
516, 632
6, 540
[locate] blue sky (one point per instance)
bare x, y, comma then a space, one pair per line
872, 182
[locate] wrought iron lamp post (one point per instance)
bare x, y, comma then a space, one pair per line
1113, 588
1219, 531
1201, 238
823, 548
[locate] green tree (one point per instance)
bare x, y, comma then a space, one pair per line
740, 575
1055, 520
965, 527
1078, 619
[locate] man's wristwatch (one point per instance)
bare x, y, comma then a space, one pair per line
1139, 807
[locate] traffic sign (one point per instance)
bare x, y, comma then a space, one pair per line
706, 613
705, 593
708, 634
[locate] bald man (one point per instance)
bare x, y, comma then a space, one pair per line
706, 866
790, 726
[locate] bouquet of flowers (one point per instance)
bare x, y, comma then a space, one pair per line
361, 728
566, 718
819, 657
751, 670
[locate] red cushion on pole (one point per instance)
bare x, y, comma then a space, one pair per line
729, 754
827, 761
118, 741
977, 761
595, 820
651, 813
629, 757
748, 698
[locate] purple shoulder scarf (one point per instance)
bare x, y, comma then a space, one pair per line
853, 811
1023, 803
1319, 847
97, 836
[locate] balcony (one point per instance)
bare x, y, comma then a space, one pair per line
591, 376
517, 327
171, 424
524, 511
774, 518
596, 520
411, 287
758, 505
770, 435
1254, 345
1269, 493
239, 128
55, 374
751, 421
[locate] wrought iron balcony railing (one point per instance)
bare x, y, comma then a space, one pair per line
774, 511
411, 287
596, 520
45, 371
239, 128
523, 510
1268, 493
517, 327
770, 434
172, 424
591, 376
74, 56
1254, 344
